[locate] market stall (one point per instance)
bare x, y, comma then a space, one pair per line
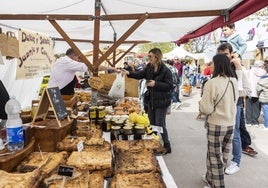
112, 143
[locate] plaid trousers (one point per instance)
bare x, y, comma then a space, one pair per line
219, 144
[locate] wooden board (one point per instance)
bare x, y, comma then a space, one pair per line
51, 97
57, 102
131, 86
9, 162
95, 83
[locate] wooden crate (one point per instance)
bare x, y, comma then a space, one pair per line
48, 136
9, 162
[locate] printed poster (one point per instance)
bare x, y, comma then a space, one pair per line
36, 55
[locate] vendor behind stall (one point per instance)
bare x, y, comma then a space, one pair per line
63, 72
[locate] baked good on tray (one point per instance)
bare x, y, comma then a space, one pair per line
133, 162
46, 165
151, 144
20, 180
144, 180
90, 160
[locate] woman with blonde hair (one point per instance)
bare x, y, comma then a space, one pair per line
159, 84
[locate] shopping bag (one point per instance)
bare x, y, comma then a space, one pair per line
117, 90
13, 45
3, 43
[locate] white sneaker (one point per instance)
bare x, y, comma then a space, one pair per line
178, 104
173, 106
262, 126
207, 186
256, 125
232, 168
248, 125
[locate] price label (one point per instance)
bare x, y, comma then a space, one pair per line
65, 171
95, 83
80, 146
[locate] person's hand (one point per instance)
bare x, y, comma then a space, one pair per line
235, 55
150, 83
124, 72
237, 62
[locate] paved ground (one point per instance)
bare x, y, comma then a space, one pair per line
187, 162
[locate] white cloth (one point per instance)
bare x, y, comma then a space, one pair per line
63, 71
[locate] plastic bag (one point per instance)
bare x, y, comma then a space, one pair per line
117, 90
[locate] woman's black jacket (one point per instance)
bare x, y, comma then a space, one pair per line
160, 94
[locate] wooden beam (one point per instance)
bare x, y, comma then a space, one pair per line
104, 41
96, 43
125, 53
160, 15
106, 58
157, 15
123, 38
71, 43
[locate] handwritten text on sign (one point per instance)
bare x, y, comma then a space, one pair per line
36, 54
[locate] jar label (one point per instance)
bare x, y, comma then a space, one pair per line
15, 135
101, 114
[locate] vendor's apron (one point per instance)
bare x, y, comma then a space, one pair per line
69, 88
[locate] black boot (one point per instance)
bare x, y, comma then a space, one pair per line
168, 148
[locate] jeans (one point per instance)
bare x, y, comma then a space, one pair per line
158, 117
245, 137
174, 95
193, 80
265, 114
237, 145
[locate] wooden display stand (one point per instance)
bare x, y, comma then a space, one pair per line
51, 97
9, 162
47, 133
50, 131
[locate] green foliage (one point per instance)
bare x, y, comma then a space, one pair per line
164, 46
261, 15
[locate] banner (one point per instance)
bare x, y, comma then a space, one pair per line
36, 55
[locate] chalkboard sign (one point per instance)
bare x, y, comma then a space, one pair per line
57, 102
65, 171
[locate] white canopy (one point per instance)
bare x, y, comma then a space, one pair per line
179, 52
176, 18
156, 30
